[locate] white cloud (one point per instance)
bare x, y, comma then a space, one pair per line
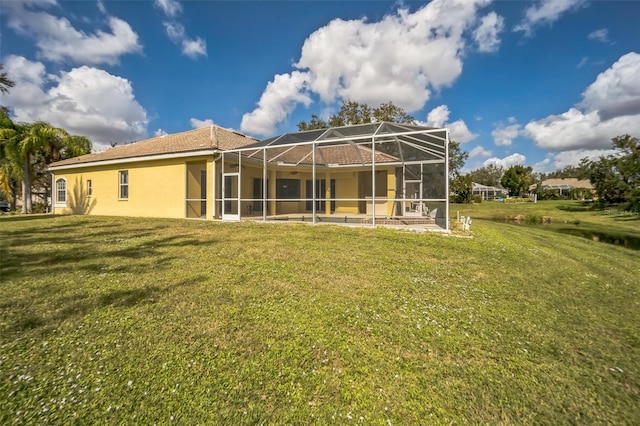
196, 124
486, 35
557, 161
170, 8
160, 132
504, 135
57, 40
616, 91
583, 62
546, 12
506, 162
601, 35
401, 58
191, 47
278, 100
84, 101
458, 131
479, 151
101, 7
194, 48
610, 107
175, 31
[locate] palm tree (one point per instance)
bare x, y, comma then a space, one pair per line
5, 82
21, 144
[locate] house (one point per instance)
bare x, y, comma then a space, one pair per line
371, 174
565, 185
488, 192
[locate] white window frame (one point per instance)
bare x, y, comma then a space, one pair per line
122, 185
61, 203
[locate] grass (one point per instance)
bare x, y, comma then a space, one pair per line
125, 320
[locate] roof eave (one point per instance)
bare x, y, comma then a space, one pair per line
127, 160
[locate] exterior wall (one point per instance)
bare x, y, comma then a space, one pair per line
156, 189
346, 183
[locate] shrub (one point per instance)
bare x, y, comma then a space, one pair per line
518, 200
476, 198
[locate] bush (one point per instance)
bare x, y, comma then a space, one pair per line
476, 198
518, 200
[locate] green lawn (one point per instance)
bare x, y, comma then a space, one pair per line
142, 321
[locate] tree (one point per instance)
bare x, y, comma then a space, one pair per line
5, 82
352, 113
355, 113
315, 123
457, 158
616, 178
30, 147
517, 179
489, 175
462, 188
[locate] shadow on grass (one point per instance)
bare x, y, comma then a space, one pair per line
82, 304
27, 217
583, 207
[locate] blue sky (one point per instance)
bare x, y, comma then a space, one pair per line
541, 83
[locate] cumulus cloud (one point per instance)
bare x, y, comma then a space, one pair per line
479, 151
84, 101
610, 107
191, 47
160, 132
546, 12
170, 8
276, 103
505, 134
616, 91
506, 162
57, 40
559, 160
486, 35
458, 130
401, 58
194, 47
196, 124
601, 35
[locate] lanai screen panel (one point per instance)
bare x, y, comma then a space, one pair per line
368, 172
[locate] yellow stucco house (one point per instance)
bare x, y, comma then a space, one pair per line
370, 174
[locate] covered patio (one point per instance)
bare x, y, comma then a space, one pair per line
376, 174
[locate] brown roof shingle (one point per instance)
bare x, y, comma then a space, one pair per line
203, 139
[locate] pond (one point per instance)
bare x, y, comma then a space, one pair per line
613, 237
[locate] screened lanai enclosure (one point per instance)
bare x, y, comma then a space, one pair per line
370, 174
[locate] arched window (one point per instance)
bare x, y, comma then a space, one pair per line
61, 190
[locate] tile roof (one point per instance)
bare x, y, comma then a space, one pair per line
325, 155
203, 139
566, 183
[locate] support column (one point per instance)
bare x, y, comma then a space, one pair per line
327, 194
272, 192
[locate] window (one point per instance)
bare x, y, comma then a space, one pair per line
287, 188
89, 188
124, 184
61, 191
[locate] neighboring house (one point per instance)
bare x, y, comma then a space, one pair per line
488, 192
565, 185
328, 175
